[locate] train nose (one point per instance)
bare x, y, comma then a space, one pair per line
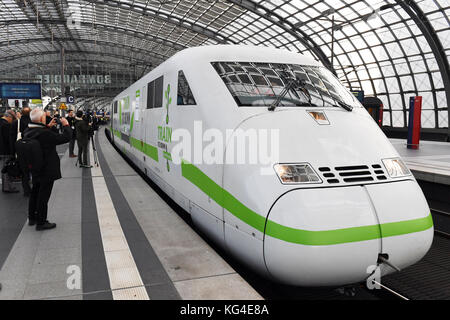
406, 225
333, 236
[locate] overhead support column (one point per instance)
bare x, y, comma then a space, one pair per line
421, 20
62, 74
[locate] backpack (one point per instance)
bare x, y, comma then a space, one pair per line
29, 153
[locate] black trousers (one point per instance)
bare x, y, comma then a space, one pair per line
38, 204
71, 146
82, 151
26, 181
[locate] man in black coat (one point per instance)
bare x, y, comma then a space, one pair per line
71, 120
23, 121
44, 179
5, 149
82, 127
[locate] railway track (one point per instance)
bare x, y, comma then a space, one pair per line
388, 293
442, 224
441, 229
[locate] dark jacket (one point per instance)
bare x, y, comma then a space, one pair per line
48, 140
71, 121
24, 121
82, 129
5, 148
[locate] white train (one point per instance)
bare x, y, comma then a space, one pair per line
338, 202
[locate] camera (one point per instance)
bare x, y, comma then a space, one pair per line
57, 118
87, 117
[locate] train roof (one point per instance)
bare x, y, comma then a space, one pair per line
193, 56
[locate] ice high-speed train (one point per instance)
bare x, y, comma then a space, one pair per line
337, 202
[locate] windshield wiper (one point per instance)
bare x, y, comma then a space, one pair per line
292, 83
344, 105
306, 104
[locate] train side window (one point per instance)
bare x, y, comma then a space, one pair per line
150, 95
184, 95
115, 106
159, 83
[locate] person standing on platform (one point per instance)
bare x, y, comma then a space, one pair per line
82, 128
44, 179
23, 121
71, 120
5, 149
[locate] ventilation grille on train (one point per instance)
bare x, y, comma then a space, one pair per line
353, 174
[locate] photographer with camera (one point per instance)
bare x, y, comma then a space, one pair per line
37, 150
83, 127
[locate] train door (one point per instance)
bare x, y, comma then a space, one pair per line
125, 107
145, 130
139, 127
113, 120
153, 113
119, 122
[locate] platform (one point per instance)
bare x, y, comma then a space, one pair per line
116, 232
431, 162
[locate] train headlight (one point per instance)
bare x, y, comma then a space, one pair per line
396, 168
296, 173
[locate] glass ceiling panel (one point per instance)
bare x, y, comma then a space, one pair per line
377, 45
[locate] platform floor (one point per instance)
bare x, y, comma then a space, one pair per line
115, 239
431, 162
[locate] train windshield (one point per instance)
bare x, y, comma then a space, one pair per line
261, 84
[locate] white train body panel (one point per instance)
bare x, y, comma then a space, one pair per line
299, 234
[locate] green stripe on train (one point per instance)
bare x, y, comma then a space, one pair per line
117, 133
167, 155
149, 150
298, 236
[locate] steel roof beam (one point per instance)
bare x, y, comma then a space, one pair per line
123, 65
99, 42
108, 54
287, 26
61, 15
135, 33
164, 17
19, 4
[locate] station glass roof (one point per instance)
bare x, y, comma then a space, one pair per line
391, 49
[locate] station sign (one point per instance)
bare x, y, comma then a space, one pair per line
75, 79
20, 90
